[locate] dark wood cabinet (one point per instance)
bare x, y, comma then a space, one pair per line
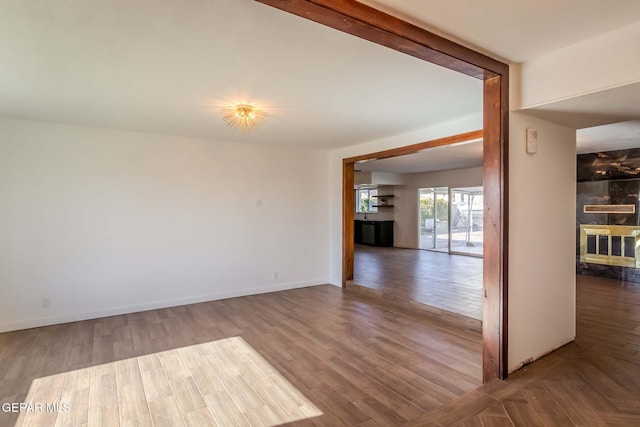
376, 233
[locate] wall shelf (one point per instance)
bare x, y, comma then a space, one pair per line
380, 201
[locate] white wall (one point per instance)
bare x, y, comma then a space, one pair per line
542, 200
407, 199
467, 124
454, 178
608, 61
105, 221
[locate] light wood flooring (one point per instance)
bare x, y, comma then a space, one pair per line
452, 283
223, 382
363, 363
356, 361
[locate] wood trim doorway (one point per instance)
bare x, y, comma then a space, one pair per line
378, 27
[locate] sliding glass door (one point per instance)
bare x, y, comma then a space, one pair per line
434, 219
451, 220
467, 220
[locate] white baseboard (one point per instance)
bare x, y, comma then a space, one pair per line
74, 317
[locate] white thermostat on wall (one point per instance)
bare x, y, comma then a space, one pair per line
532, 141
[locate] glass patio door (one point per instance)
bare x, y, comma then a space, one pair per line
434, 219
467, 220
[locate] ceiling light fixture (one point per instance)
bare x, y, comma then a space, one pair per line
243, 117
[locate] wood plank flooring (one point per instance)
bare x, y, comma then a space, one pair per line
452, 283
594, 381
357, 361
223, 382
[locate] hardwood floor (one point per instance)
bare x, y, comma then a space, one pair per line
224, 382
594, 381
446, 282
358, 361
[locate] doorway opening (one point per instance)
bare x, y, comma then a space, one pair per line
406, 230
378, 27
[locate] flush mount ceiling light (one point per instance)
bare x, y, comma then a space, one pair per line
243, 117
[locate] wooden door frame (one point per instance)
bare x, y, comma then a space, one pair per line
378, 27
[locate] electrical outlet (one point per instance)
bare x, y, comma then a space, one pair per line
46, 303
275, 275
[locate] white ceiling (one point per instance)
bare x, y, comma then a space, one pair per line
163, 67
166, 67
617, 136
593, 109
457, 156
515, 30
518, 30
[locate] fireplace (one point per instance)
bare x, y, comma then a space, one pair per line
610, 245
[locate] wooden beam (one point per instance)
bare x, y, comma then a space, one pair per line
494, 342
348, 216
504, 232
414, 148
381, 28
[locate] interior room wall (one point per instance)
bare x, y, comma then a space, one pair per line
101, 222
600, 63
406, 211
542, 199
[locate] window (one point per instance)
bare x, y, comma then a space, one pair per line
365, 200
